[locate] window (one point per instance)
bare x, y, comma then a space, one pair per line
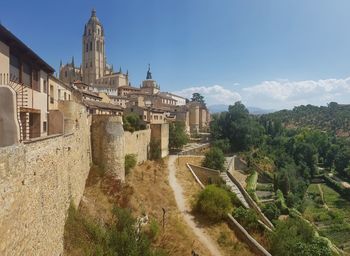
68, 96
89, 32
59, 94
90, 46
45, 87
14, 67
65, 96
65, 74
90, 64
44, 126
27, 74
86, 65
35, 75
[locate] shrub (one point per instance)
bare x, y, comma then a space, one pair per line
271, 211
280, 202
155, 150
292, 200
214, 203
153, 230
132, 122
247, 218
214, 159
130, 162
120, 238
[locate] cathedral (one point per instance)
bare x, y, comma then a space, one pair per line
94, 70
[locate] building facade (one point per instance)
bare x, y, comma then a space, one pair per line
27, 75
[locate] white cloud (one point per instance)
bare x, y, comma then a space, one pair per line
286, 94
215, 94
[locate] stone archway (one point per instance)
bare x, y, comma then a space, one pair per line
9, 130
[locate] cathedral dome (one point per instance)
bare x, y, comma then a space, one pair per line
93, 18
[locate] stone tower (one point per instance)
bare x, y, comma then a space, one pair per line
93, 46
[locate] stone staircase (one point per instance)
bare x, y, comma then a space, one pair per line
234, 189
21, 102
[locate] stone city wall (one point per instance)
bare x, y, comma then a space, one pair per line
138, 143
38, 181
9, 128
107, 139
160, 132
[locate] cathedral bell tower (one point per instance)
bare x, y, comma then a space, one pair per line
93, 46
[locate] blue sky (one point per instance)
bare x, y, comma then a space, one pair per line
266, 53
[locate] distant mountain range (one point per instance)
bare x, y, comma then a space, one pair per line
252, 110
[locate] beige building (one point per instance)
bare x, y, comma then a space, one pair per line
102, 108
119, 100
27, 75
58, 91
148, 114
126, 90
180, 101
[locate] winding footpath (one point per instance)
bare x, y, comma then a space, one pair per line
181, 204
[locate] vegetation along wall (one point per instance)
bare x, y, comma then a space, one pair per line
138, 143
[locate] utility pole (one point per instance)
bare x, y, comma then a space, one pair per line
164, 211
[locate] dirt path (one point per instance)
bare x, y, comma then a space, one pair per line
322, 196
181, 204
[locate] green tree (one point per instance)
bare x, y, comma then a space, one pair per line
247, 218
197, 97
296, 237
214, 202
342, 161
271, 211
223, 144
242, 130
132, 122
214, 159
177, 135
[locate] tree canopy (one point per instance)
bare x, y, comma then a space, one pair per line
197, 97
177, 135
295, 237
241, 129
214, 159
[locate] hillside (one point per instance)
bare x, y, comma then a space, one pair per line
332, 118
252, 110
